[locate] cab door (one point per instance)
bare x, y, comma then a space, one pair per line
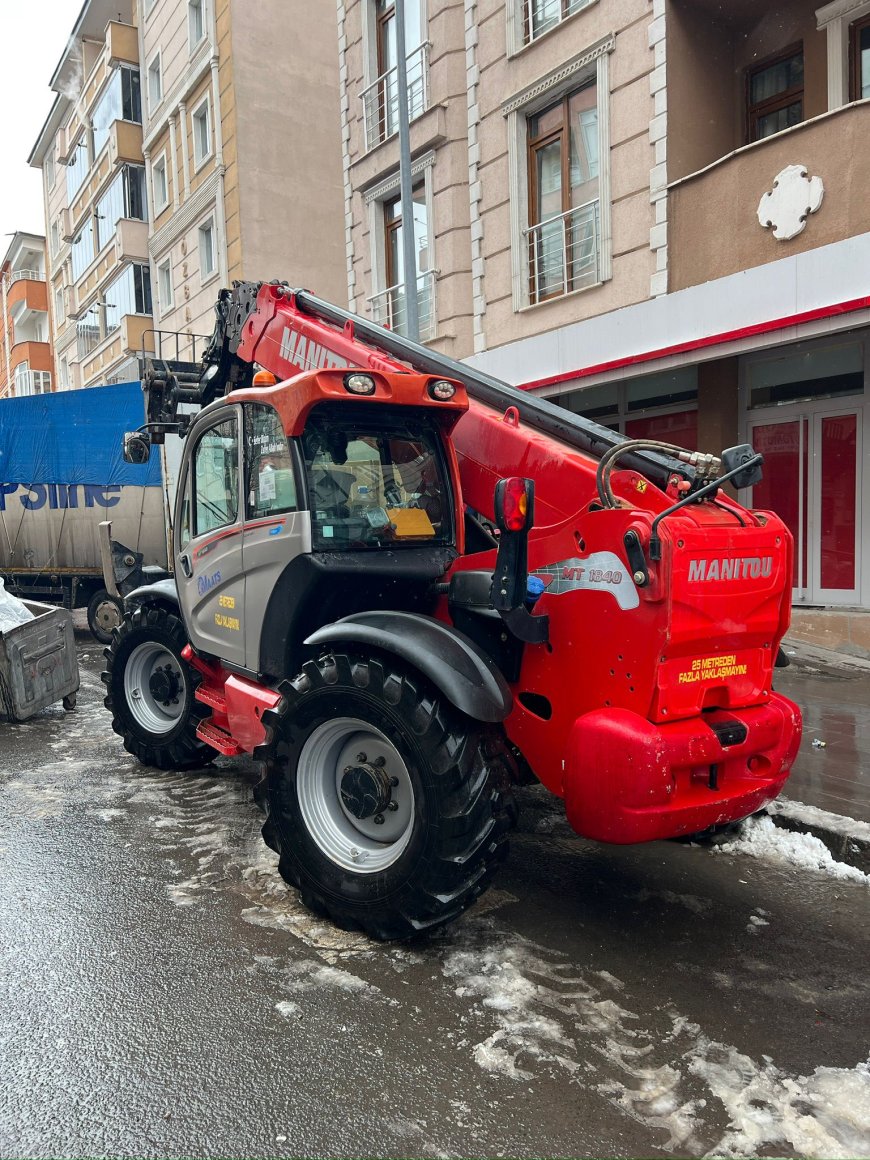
277, 528
208, 551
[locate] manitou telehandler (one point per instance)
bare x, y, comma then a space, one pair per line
404, 586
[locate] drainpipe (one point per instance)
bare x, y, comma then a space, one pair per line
5, 281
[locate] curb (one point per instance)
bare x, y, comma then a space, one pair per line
847, 839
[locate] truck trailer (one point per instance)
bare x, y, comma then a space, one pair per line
61, 474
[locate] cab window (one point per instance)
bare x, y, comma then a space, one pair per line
271, 482
216, 478
371, 487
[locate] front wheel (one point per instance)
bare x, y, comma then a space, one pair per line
387, 807
149, 691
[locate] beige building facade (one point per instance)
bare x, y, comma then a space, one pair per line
192, 142
650, 211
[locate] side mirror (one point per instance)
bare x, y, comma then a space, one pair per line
746, 457
137, 447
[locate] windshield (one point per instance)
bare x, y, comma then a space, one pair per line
376, 488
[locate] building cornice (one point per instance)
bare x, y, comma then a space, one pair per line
379, 192
559, 76
181, 221
837, 10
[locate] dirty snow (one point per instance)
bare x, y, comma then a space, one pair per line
547, 1013
761, 838
824, 819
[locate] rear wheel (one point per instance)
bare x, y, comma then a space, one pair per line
149, 691
105, 613
387, 807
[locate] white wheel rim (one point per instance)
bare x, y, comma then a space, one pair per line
107, 616
155, 716
361, 845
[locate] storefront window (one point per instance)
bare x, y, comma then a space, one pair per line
825, 372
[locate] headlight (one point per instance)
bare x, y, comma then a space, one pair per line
442, 390
359, 384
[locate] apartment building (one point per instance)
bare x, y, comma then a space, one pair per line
26, 366
191, 142
649, 211
241, 149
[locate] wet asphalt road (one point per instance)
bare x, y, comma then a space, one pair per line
163, 994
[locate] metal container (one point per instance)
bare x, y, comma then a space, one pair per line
38, 663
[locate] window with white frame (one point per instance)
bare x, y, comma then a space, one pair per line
59, 311
64, 374
49, 169
558, 140
207, 257
54, 238
164, 286
195, 22
160, 184
563, 228
155, 83
201, 122
388, 304
539, 16
381, 96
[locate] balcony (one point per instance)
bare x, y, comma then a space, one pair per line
564, 253
27, 293
713, 228
121, 47
36, 354
381, 98
135, 333
389, 308
129, 243
124, 146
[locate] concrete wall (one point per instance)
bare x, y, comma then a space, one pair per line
291, 192
714, 224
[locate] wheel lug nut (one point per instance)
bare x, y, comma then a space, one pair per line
361, 757
392, 806
394, 781
347, 769
379, 819
380, 762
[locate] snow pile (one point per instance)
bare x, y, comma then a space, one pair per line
760, 838
12, 611
825, 1115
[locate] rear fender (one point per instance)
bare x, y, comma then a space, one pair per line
453, 663
161, 594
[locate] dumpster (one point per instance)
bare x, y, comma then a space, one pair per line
38, 663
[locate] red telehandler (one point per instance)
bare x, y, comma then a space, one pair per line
404, 587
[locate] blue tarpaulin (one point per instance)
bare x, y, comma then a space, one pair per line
74, 437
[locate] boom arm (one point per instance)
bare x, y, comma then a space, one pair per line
289, 331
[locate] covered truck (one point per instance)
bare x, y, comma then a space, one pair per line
61, 474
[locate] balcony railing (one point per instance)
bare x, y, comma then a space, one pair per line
381, 99
564, 253
389, 307
26, 275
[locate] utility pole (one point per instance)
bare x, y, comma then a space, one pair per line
409, 257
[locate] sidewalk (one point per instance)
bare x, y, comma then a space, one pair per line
833, 693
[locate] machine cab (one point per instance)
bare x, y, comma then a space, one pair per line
285, 522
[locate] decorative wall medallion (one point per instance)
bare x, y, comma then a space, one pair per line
793, 198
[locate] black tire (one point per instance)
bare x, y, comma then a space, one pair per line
101, 622
459, 820
172, 745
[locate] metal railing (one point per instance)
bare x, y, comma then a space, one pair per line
389, 307
381, 98
26, 275
564, 253
539, 16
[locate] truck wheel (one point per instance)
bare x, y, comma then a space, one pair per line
149, 691
387, 806
104, 614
